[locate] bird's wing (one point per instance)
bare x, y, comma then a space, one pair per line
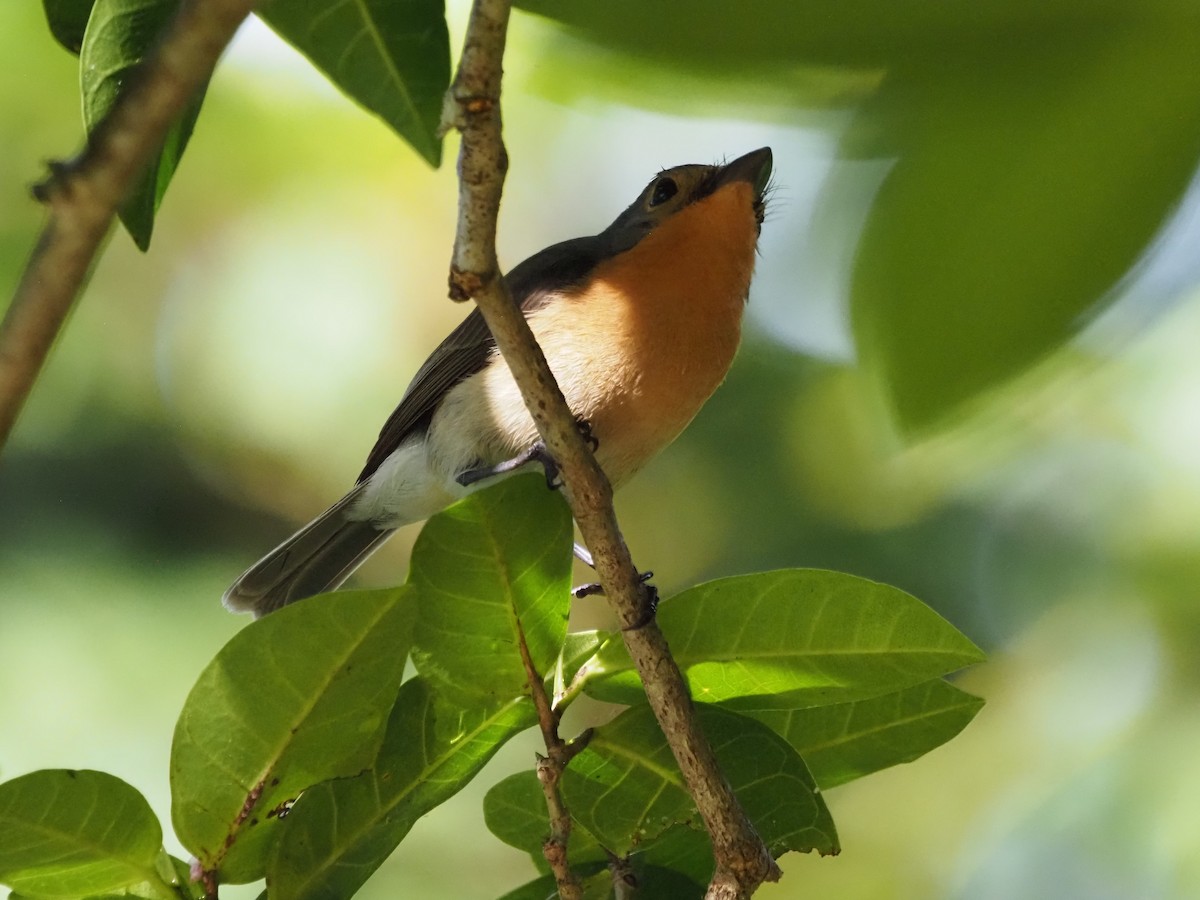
466, 350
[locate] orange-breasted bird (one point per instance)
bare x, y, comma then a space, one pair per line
639, 324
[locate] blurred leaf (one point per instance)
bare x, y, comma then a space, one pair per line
491, 566
514, 810
295, 698
119, 35
848, 740
68, 21
627, 791
391, 58
341, 831
721, 37
793, 638
67, 833
653, 881
1029, 181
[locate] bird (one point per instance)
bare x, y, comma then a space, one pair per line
639, 324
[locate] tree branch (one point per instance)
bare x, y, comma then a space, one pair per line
550, 767
83, 195
743, 862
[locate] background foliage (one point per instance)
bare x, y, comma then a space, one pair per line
963, 194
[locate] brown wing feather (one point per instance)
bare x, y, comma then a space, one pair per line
468, 347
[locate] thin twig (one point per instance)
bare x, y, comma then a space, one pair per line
83, 195
743, 862
624, 881
559, 754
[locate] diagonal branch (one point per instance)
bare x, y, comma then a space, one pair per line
473, 107
83, 195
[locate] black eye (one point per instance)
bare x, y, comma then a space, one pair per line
664, 191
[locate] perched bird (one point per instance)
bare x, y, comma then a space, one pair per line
639, 324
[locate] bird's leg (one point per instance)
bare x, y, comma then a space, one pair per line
536, 453
651, 595
584, 555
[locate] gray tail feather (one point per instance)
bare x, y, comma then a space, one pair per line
317, 558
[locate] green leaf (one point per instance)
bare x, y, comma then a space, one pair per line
514, 810
68, 21
578, 649
66, 833
793, 638
391, 58
653, 881
340, 832
849, 740
1026, 187
119, 35
626, 789
488, 568
295, 698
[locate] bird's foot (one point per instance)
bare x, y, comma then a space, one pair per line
536, 453
649, 599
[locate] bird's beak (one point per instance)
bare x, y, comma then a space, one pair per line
754, 168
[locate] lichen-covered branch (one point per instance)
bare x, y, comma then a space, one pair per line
743, 862
83, 195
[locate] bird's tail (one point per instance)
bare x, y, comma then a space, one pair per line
317, 558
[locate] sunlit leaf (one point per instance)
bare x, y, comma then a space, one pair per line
341, 831
67, 833
119, 35
68, 21
295, 698
626, 789
848, 740
1026, 186
486, 570
793, 638
391, 58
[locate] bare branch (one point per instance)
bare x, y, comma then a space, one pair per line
474, 108
83, 195
550, 767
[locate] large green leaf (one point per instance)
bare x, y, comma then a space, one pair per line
626, 789
68, 21
1026, 186
341, 831
723, 38
66, 834
119, 35
295, 698
488, 569
652, 881
793, 638
848, 740
391, 57
514, 810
